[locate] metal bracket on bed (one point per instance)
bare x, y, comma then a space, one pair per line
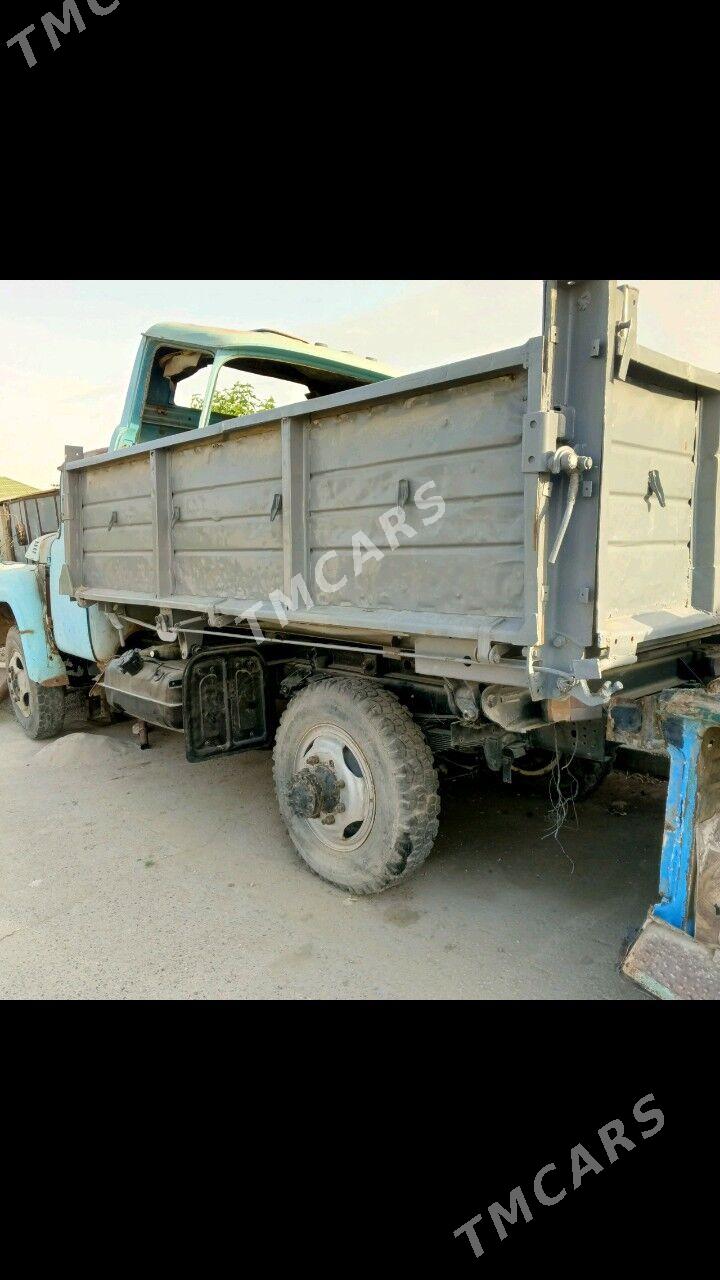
485, 643
626, 331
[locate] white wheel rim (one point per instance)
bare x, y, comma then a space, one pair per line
19, 685
331, 747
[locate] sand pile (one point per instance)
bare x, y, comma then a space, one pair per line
88, 750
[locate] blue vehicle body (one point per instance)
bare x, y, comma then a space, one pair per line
21, 592
675, 954
83, 632
63, 628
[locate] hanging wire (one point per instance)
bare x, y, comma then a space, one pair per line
560, 804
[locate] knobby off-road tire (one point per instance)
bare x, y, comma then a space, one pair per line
348, 750
38, 710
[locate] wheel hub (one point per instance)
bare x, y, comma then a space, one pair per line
332, 788
19, 685
314, 792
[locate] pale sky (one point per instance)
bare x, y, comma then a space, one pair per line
67, 347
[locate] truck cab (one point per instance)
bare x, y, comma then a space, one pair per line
56, 642
172, 353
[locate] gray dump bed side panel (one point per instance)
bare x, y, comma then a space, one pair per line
466, 441
193, 524
647, 561
658, 545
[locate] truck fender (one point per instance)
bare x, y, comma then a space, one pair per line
84, 632
22, 604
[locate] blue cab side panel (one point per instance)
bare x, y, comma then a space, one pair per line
85, 633
20, 587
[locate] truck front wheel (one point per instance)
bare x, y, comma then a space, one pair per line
356, 784
38, 710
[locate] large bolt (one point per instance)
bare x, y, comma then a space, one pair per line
328, 820
313, 760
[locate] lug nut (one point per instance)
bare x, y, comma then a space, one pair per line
313, 759
328, 820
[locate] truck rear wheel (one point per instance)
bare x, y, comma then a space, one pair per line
38, 710
356, 784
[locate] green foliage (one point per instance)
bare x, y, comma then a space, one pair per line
236, 401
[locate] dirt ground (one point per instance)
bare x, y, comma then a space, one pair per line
131, 874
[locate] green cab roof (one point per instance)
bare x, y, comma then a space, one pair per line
324, 369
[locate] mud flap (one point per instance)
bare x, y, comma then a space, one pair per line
226, 707
671, 965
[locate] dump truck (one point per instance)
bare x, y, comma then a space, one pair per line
505, 563
25, 518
